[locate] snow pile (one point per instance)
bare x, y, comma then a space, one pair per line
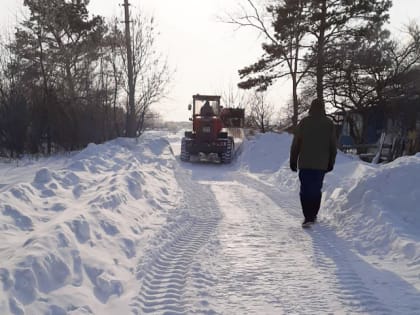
267, 157
72, 236
380, 212
265, 154
81, 232
374, 207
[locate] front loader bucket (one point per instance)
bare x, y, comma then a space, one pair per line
233, 121
233, 117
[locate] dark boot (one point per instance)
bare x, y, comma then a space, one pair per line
307, 208
315, 206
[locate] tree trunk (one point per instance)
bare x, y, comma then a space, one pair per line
295, 103
365, 122
115, 97
46, 98
321, 53
131, 121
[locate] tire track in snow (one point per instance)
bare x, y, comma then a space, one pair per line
387, 293
259, 268
168, 269
331, 256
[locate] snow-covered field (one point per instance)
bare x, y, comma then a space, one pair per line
126, 228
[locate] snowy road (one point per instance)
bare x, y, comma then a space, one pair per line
127, 228
240, 250
279, 268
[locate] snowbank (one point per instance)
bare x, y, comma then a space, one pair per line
75, 234
374, 207
380, 211
75, 228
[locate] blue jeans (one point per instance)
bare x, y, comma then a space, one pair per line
310, 192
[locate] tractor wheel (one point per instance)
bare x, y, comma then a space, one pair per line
227, 155
185, 155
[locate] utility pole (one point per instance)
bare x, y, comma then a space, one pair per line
131, 111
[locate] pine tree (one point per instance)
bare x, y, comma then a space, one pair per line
303, 31
283, 54
58, 49
333, 22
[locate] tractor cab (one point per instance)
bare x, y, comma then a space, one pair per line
206, 117
202, 102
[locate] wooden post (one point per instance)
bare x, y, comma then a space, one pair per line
131, 111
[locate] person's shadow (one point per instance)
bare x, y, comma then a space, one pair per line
359, 285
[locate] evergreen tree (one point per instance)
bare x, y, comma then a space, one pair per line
62, 34
371, 71
303, 32
334, 22
58, 48
283, 53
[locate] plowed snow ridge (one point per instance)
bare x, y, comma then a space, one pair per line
126, 228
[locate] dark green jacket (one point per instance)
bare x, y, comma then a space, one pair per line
314, 144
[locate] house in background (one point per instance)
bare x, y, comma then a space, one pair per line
391, 130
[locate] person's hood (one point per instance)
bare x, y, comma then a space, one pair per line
317, 107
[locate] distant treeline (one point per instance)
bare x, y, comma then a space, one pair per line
63, 78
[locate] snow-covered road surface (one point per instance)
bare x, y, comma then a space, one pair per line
241, 250
127, 228
260, 261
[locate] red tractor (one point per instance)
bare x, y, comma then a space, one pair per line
214, 131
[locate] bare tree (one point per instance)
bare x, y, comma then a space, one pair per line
300, 35
284, 31
151, 73
261, 113
14, 109
287, 114
233, 97
116, 73
366, 73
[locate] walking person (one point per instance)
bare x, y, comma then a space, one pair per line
313, 153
